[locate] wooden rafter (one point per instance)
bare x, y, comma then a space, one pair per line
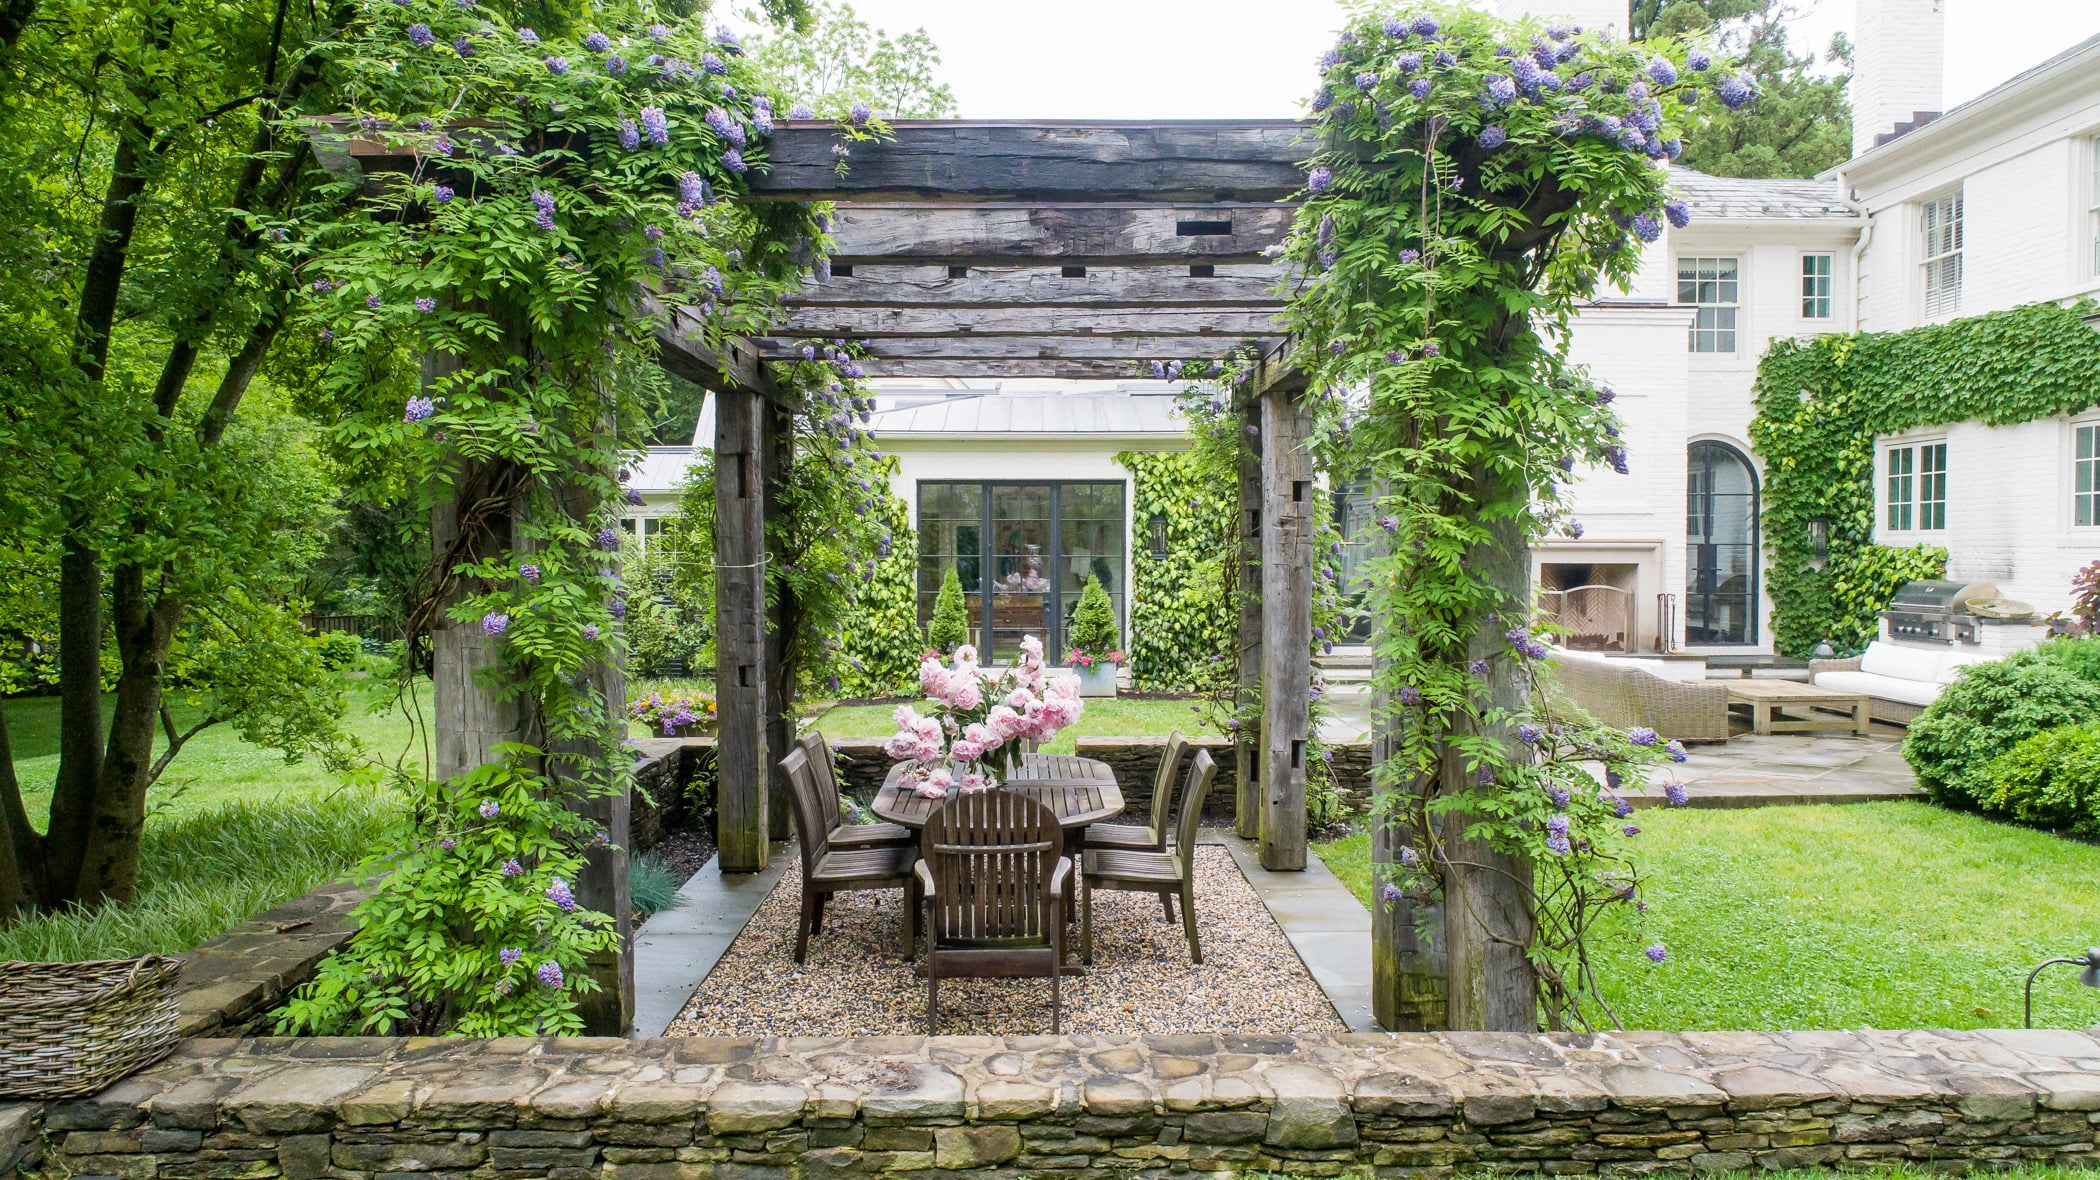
1194, 160
963, 348
1047, 368
1029, 286
1100, 235
867, 322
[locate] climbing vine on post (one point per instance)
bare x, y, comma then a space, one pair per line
1475, 181
552, 184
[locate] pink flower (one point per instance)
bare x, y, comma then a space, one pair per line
966, 654
1019, 698
932, 677
1006, 723
963, 692
965, 751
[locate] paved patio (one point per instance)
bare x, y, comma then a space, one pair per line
1782, 769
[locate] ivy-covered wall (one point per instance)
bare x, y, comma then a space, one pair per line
1181, 614
883, 642
1820, 404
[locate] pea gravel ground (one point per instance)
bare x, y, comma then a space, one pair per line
855, 983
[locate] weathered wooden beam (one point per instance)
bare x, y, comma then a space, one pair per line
1095, 235
743, 766
880, 285
1227, 325
776, 470
1249, 160
1047, 368
682, 348
1246, 742
975, 347
1288, 502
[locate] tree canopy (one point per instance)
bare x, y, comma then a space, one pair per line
1802, 121
840, 60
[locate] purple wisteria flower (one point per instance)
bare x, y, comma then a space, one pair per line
1575, 529
653, 232
1431, 349
1660, 69
325, 334
597, 42
1501, 90
1616, 456
448, 844
510, 955
731, 44
1320, 179
556, 65
1676, 794
441, 194
632, 496
1641, 735
654, 125
802, 110
1478, 667
1676, 751
1558, 845
617, 608
615, 65
1408, 62
1389, 523
1699, 59
590, 631
559, 894
1620, 808
1736, 91
1367, 81
1679, 213
1558, 796
1657, 953
1493, 136
549, 973
1530, 734
1557, 825
417, 410
1425, 26
1647, 227
1410, 695
630, 136
1395, 27
1391, 894
528, 37
543, 205
692, 193
511, 868
860, 114
725, 125
1420, 88
529, 572
494, 623
713, 64
659, 33
608, 538
372, 301
426, 303
421, 37
463, 45
734, 161
1410, 857
1410, 256
1630, 830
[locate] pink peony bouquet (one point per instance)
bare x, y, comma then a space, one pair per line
979, 718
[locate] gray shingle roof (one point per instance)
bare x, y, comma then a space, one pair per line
1105, 414
1732, 198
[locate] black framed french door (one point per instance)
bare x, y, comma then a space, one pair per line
1022, 552
1721, 546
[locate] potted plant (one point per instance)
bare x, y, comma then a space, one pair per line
950, 626
1096, 643
677, 714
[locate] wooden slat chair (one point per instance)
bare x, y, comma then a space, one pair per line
1153, 837
993, 875
1167, 873
844, 836
827, 870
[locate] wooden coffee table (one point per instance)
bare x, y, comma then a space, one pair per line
1766, 697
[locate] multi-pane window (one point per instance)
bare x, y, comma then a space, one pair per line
1022, 553
1940, 219
1815, 286
1917, 487
2085, 476
1710, 284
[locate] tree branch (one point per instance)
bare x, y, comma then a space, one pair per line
175, 741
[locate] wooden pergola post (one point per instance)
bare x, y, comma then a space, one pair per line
776, 467
1246, 741
1407, 949
1288, 497
743, 766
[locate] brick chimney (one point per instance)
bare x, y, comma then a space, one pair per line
1590, 14
1899, 56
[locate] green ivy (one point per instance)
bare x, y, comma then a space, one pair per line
880, 656
1822, 402
1182, 619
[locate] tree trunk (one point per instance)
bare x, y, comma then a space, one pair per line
1246, 740
79, 714
144, 628
21, 850
1488, 925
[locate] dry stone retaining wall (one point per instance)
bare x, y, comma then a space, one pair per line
952, 1107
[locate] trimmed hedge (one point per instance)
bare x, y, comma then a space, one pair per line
2051, 780
1992, 708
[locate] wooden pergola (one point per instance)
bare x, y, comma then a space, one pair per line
1027, 249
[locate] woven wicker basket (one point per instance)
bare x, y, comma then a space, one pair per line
73, 1028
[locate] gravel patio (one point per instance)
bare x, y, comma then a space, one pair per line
855, 984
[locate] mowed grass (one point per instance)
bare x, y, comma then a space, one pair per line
1103, 717
1881, 915
232, 829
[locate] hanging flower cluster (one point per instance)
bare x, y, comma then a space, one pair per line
1476, 182
548, 201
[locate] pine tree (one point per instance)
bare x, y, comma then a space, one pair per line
1094, 630
950, 627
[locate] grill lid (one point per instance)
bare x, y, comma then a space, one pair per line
1939, 596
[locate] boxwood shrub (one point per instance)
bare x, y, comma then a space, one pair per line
1992, 708
2051, 780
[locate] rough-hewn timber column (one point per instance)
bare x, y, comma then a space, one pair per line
1488, 979
742, 767
1407, 947
776, 467
1288, 497
1246, 741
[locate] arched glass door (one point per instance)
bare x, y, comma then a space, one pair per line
1721, 546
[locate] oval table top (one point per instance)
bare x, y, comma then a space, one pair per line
1079, 791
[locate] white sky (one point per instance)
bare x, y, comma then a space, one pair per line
1191, 59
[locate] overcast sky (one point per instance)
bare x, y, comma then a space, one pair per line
1189, 59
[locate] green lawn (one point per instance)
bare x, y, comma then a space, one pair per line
1104, 717
1884, 915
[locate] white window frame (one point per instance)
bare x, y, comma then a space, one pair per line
1940, 235
2085, 466
1818, 290
1919, 503
1717, 320
2092, 201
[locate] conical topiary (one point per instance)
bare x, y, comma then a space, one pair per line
1093, 631
950, 627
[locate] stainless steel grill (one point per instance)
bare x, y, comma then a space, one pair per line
1933, 612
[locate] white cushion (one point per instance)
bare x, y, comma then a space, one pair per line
1902, 663
1887, 688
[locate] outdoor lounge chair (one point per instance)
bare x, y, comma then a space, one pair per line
827, 870
1166, 873
993, 874
843, 836
1152, 838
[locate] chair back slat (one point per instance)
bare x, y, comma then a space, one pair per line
1195, 792
1163, 777
991, 854
819, 753
803, 794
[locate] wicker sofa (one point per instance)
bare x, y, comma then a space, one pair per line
1898, 681
1622, 692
